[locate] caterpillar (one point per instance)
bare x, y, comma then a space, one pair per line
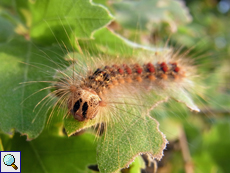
86, 93
90, 91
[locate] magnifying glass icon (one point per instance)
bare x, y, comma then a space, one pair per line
9, 160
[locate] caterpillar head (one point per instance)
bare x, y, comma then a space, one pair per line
84, 104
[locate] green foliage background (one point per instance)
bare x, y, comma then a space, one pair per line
29, 33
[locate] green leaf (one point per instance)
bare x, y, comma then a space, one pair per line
146, 13
66, 20
72, 126
181, 95
125, 140
53, 148
107, 42
47, 153
22, 63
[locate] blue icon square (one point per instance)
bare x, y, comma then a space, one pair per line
10, 161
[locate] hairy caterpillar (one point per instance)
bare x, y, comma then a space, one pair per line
90, 92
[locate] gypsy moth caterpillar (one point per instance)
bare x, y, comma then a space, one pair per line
107, 83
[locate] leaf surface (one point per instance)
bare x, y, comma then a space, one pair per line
22, 69
50, 153
125, 140
66, 20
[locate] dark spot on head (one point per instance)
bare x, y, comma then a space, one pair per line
84, 109
76, 105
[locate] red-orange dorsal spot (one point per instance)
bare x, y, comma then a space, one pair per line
164, 76
177, 69
150, 67
115, 82
176, 77
164, 67
121, 80
110, 85
138, 78
139, 70
128, 80
120, 70
151, 77
128, 70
